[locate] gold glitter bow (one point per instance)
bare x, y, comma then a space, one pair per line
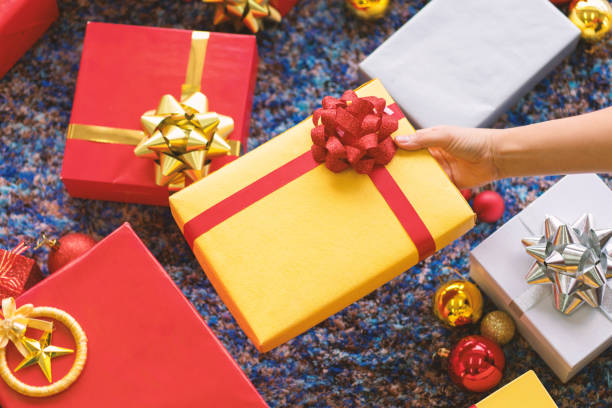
248, 12
15, 323
182, 136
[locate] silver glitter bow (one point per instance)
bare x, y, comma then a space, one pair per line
575, 259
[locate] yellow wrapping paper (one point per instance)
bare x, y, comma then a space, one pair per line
319, 243
525, 392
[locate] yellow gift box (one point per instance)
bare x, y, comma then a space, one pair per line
307, 249
525, 392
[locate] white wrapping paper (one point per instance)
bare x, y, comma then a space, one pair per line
466, 62
499, 265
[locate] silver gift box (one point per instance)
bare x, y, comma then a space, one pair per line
500, 264
466, 62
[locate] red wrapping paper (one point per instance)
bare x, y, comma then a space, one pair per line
25, 271
147, 346
283, 6
139, 65
22, 22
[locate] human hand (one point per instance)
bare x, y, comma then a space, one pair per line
466, 155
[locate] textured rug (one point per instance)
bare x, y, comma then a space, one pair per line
375, 353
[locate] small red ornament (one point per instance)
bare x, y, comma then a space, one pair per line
67, 248
476, 363
560, 1
489, 206
467, 193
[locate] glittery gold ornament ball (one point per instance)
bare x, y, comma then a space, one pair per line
457, 303
498, 326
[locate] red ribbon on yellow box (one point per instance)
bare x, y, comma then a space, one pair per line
353, 132
313, 241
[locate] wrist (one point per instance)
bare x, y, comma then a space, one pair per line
499, 151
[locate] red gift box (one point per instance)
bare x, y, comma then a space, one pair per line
283, 6
22, 22
147, 346
17, 273
124, 72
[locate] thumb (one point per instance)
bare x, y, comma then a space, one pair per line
423, 138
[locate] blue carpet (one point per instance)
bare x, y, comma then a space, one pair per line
375, 353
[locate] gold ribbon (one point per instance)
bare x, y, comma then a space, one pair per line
15, 323
103, 134
195, 65
180, 136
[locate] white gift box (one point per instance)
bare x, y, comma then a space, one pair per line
466, 62
500, 263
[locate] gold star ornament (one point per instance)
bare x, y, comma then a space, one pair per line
13, 326
182, 137
41, 352
248, 12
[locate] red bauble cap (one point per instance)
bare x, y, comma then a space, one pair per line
68, 248
476, 363
489, 206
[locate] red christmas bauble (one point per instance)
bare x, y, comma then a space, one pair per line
560, 1
476, 363
489, 206
68, 248
467, 193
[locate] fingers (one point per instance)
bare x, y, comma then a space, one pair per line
440, 136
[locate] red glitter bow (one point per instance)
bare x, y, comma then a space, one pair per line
353, 132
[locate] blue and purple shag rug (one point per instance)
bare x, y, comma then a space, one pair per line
375, 353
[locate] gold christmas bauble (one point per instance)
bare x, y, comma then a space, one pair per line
592, 17
457, 303
368, 9
498, 326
